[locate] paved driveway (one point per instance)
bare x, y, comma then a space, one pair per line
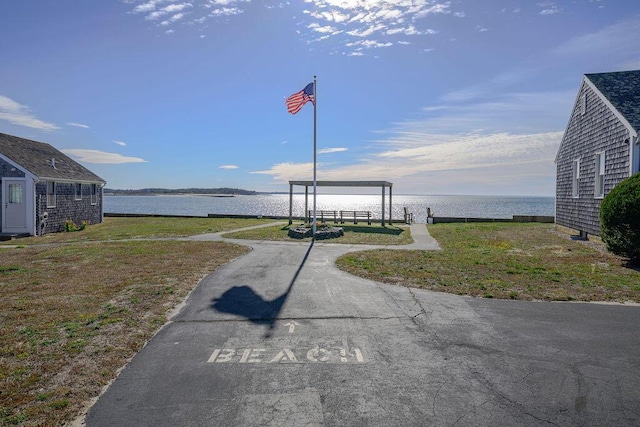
280, 337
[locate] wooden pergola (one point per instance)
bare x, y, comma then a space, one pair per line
306, 184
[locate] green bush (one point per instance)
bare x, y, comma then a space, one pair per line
620, 219
70, 226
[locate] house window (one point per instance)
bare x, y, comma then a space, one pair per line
51, 194
94, 194
575, 178
599, 190
15, 193
583, 104
78, 191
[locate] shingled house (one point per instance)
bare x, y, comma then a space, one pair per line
599, 147
41, 188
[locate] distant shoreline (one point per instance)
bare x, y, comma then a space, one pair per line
128, 194
191, 191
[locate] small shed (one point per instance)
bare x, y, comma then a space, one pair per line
41, 188
383, 185
599, 147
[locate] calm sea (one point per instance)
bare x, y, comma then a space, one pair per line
278, 205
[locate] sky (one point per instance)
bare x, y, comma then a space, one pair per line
437, 97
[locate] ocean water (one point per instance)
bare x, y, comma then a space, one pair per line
278, 205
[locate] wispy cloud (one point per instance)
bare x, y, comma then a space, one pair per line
506, 142
21, 115
379, 23
549, 8
166, 13
229, 167
154, 12
332, 150
450, 153
282, 172
619, 39
78, 125
462, 152
100, 157
120, 143
225, 11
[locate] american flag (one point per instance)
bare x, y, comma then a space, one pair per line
298, 99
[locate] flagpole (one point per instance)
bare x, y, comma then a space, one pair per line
315, 102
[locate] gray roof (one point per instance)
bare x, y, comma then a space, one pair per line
36, 157
622, 89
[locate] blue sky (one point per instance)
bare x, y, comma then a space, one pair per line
438, 97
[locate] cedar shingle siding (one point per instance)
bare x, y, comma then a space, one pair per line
39, 163
67, 207
591, 130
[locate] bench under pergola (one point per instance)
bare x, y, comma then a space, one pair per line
306, 184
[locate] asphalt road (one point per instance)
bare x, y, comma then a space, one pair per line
280, 337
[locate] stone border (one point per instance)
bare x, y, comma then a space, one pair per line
322, 233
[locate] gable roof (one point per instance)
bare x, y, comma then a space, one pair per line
36, 158
622, 90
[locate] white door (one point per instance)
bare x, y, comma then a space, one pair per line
15, 205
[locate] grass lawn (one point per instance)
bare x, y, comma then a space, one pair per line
360, 234
75, 310
503, 260
115, 228
73, 314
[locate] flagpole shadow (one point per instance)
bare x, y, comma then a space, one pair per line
244, 301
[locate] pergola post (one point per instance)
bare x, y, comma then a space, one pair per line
383, 191
390, 205
306, 203
290, 203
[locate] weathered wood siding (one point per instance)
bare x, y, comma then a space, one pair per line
597, 130
67, 207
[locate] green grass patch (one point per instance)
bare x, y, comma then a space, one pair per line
115, 228
10, 269
503, 260
359, 234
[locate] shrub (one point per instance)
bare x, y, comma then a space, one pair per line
620, 219
70, 226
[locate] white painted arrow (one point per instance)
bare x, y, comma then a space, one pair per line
292, 326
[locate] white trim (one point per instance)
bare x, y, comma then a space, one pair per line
68, 181
34, 200
17, 166
634, 155
573, 109
54, 195
600, 169
91, 195
575, 178
37, 178
28, 201
585, 80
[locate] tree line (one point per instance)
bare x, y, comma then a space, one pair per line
171, 191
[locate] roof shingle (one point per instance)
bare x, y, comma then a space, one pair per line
622, 89
36, 157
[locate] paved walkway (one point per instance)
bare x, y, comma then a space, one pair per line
422, 240
281, 337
